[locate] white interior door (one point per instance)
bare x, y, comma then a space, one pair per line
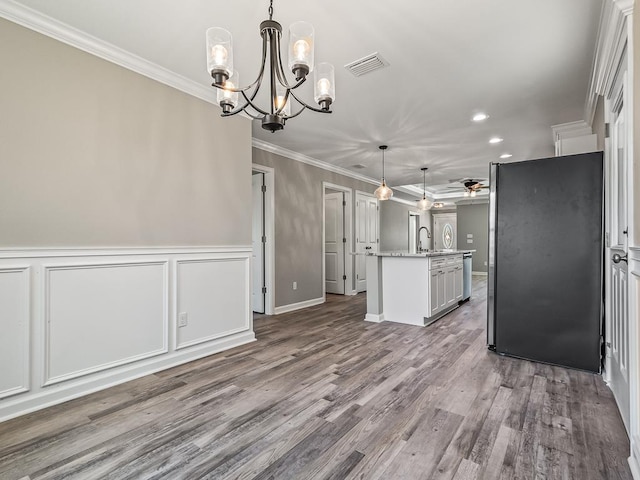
334, 243
366, 235
617, 327
257, 242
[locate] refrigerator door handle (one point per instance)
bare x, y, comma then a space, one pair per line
491, 257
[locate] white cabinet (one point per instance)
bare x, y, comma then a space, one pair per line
445, 283
434, 304
458, 280
412, 289
449, 286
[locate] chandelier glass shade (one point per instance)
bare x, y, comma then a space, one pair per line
383, 192
234, 99
424, 203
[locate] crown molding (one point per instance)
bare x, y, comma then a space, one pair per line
65, 33
404, 202
610, 46
570, 130
299, 157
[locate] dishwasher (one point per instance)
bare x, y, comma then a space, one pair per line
466, 276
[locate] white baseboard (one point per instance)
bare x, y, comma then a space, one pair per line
482, 274
297, 306
634, 467
83, 320
374, 317
634, 458
19, 406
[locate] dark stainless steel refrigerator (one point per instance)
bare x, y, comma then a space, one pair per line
546, 260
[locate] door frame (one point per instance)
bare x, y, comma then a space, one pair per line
418, 215
348, 234
269, 231
617, 54
355, 220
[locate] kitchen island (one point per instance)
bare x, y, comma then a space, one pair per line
413, 288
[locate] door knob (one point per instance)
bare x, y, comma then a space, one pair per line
617, 258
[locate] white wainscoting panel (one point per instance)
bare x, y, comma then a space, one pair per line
14, 330
76, 321
211, 294
104, 315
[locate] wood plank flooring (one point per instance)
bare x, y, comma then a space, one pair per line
325, 395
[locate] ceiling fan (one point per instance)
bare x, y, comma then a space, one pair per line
471, 186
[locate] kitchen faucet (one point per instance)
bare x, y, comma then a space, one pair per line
420, 249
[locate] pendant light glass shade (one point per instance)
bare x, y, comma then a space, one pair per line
301, 49
383, 192
324, 92
219, 53
226, 97
424, 203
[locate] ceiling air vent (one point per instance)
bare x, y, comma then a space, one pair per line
367, 64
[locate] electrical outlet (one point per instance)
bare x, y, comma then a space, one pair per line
485, 264
295, 285
183, 319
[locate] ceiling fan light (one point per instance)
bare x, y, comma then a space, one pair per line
383, 192
466, 193
219, 54
301, 49
473, 193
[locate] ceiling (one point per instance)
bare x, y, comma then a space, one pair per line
526, 63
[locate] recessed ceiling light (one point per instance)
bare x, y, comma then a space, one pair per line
506, 155
480, 117
495, 140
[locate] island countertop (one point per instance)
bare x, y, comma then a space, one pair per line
430, 253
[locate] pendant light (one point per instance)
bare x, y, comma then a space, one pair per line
383, 192
424, 204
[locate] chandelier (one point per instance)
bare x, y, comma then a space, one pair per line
278, 111
424, 203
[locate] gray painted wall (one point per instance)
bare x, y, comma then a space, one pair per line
94, 155
394, 225
474, 219
298, 224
